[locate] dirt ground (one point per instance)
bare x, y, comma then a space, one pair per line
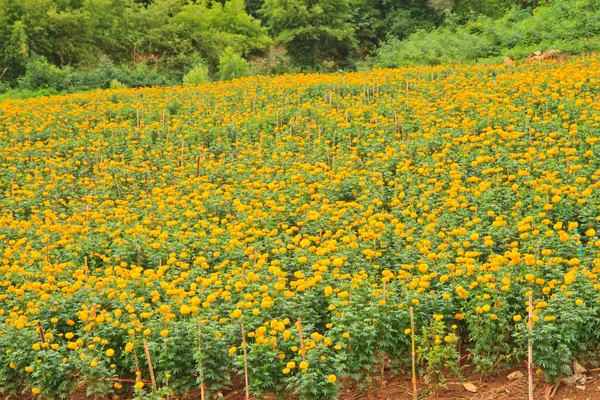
399, 387
494, 388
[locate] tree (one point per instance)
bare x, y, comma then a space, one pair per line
232, 65
313, 31
376, 20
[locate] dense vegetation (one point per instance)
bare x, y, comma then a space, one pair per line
73, 45
569, 26
286, 224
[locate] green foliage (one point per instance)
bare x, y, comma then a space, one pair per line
376, 20
120, 37
115, 84
232, 65
313, 32
40, 74
70, 45
198, 74
182, 34
566, 25
437, 349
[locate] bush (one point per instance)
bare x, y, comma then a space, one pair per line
144, 76
4, 87
40, 74
115, 84
99, 77
232, 65
198, 74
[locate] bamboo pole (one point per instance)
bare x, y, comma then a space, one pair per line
530, 349
150, 366
383, 355
413, 354
301, 339
245, 364
202, 394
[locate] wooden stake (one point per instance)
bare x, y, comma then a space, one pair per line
245, 363
138, 372
41, 332
202, 395
530, 349
413, 354
301, 338
150, 366
383, 355
182, 151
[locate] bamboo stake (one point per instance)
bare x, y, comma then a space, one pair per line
182, 151
383, 356
530, 349
150, 366
245, 363
41, 332
413, 354
138, 372
301, 339
202, 395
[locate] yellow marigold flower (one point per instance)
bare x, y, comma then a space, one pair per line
332, 378
303, 365
590, 232
110, 352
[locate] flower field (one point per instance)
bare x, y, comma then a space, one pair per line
309, 212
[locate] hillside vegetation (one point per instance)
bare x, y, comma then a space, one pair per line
61, 46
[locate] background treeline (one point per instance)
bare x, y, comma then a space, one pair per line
71, 45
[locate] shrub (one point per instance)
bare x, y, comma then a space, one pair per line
198, 74
115, 84
41, 74
232, 65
